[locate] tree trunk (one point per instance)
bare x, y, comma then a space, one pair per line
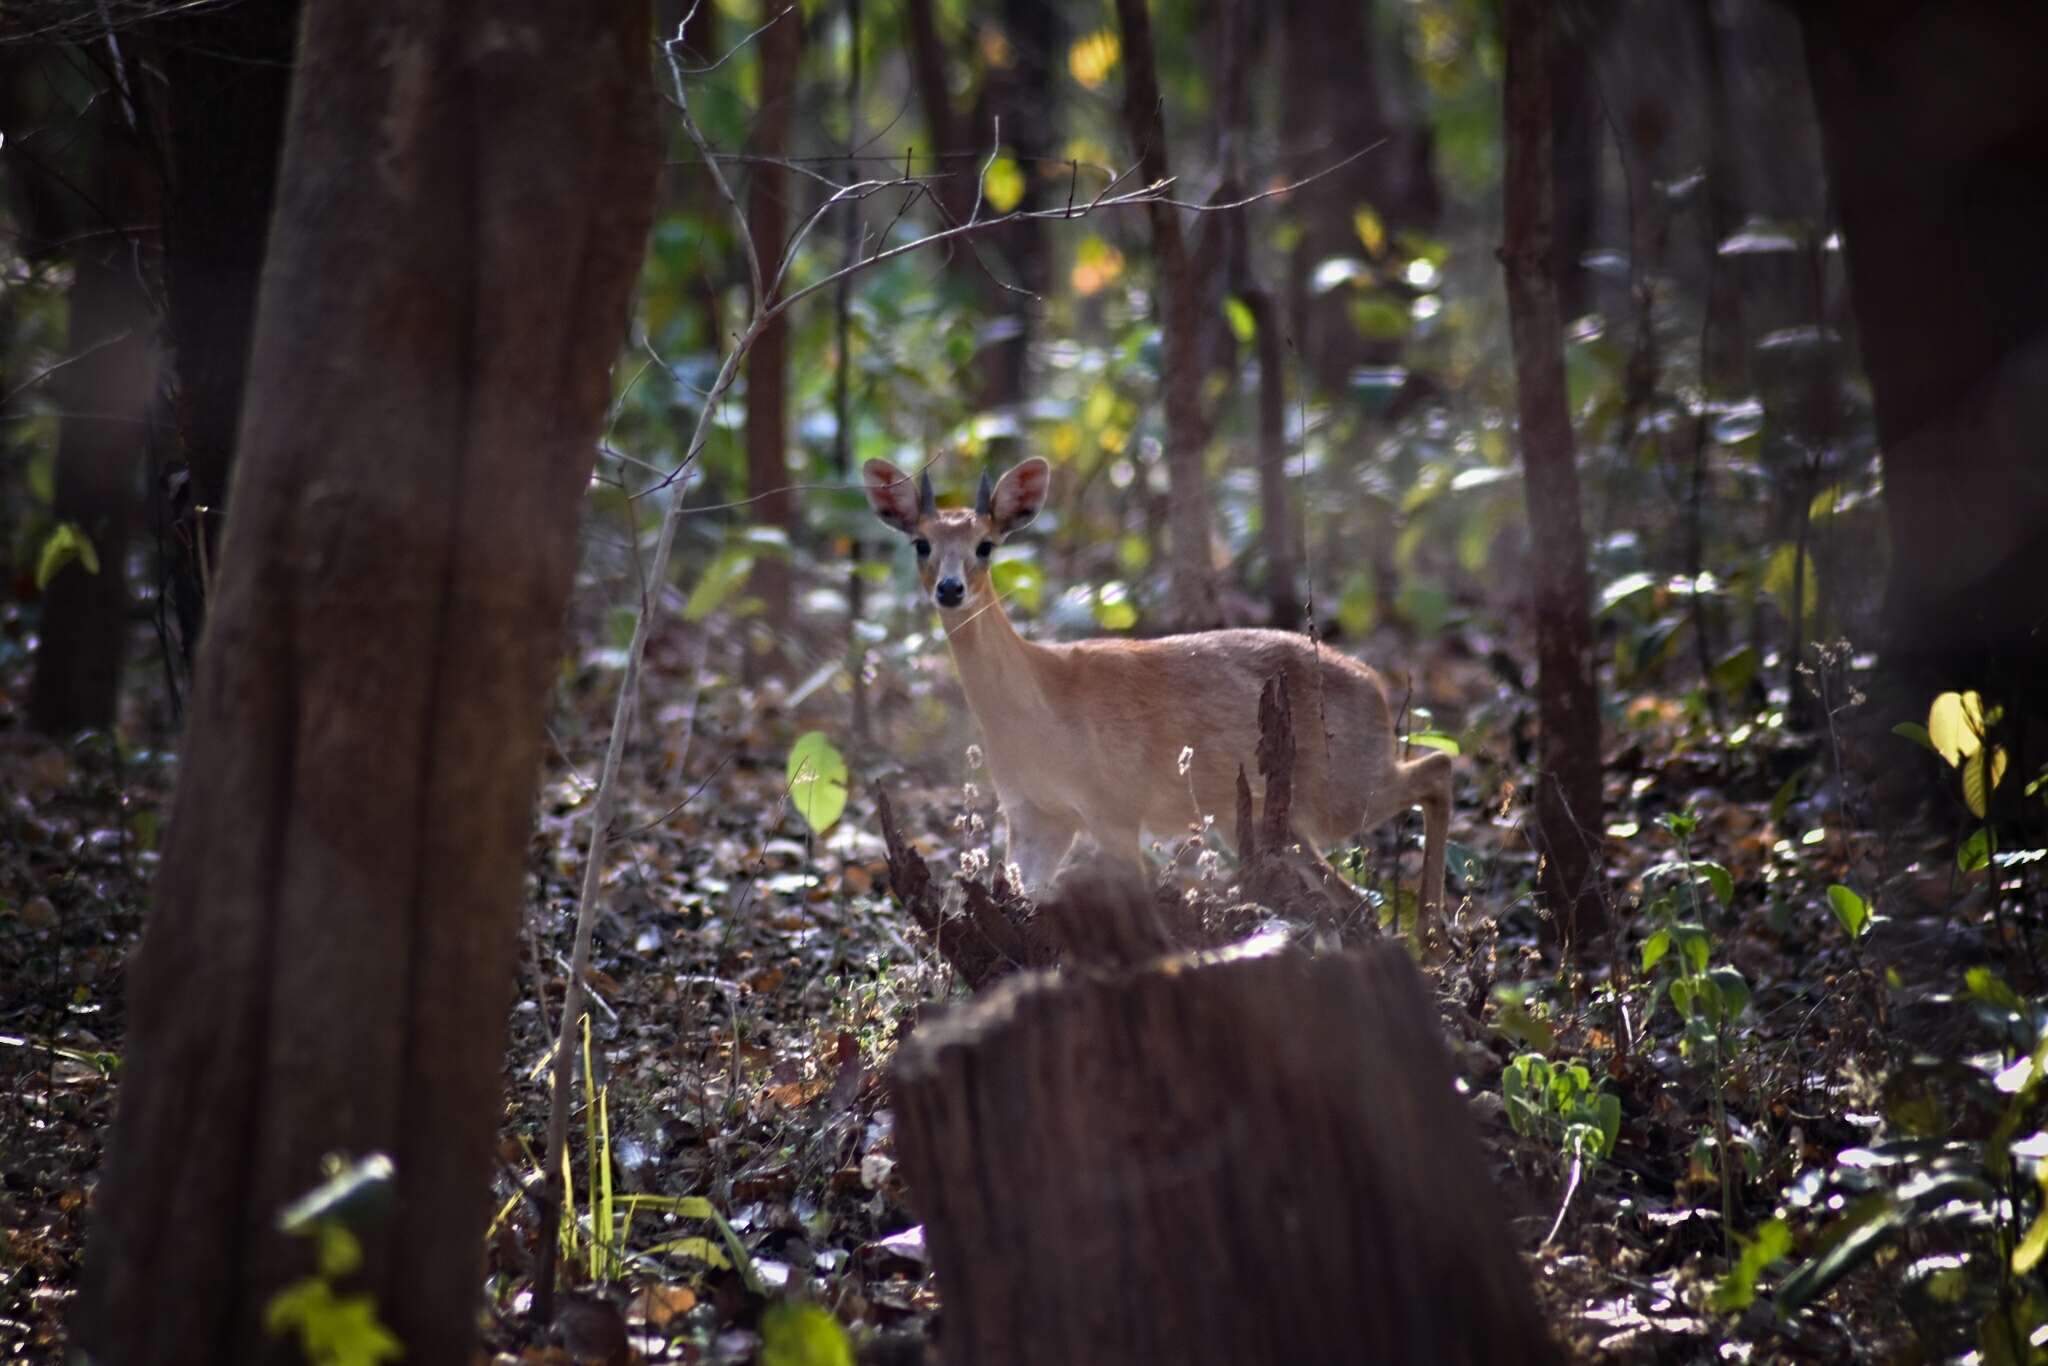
1568, 798
227, 80
1246, 1158
1193, 603
772, 501
1021, 94
1935, 135
104, 392
461, 213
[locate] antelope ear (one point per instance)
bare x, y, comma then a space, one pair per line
1019, 495
892, 494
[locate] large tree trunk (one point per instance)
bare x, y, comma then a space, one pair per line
461, 213
227, 80
1193, 604
1251, 1157
1569, 826
1935, 133
771, 499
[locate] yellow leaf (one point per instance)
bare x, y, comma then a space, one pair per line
1975, 791
1998, 757
1092, 58
1003, 184
1372, 231
1955, 725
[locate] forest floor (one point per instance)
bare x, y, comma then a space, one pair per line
751, 982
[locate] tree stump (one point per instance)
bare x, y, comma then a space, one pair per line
1244, 1156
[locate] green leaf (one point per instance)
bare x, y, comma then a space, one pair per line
1021, 581
1607, 1108
817, 780
1778, 581
1003, 184
1718, 878
1852, 912
1917, 733
1733, 675
1355, 609
1434, 739
1654, 949
1733, 989
1974, 852
803, 1335
1955, 725
1857, 1239
2027, 1255
721, 579
1771, 1242
64, 544
1113, 609
1243, 325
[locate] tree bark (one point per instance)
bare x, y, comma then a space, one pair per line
1935, 136
772, 500
1247, 1157
1192, 604
461, 214
227, 81
1568, 797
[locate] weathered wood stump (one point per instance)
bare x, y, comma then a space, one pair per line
1244, 1156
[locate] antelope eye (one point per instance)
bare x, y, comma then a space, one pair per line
985, 549
922, 546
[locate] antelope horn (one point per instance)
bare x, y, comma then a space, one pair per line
985, 495
927, 503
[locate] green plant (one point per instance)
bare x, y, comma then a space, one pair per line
1707, 997
335, 1329
1970, 1210
1561, 1103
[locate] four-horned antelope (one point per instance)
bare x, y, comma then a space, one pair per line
1090, 735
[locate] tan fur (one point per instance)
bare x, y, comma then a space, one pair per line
1088, 735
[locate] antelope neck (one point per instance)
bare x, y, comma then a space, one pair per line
999, 669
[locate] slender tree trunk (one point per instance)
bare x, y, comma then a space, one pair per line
1935, 134
1193, 604
464, 199
769, 195
1568, 798
227, 80
105, 392
1022, 99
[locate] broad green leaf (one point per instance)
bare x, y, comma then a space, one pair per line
1733, 989
1852, 912
803, 1335
1238, 313
64, 544
1974, 852
1917, 733
1434, 739
817, 780
1654, 949
1718, 878
1955, 725
1607, 1108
